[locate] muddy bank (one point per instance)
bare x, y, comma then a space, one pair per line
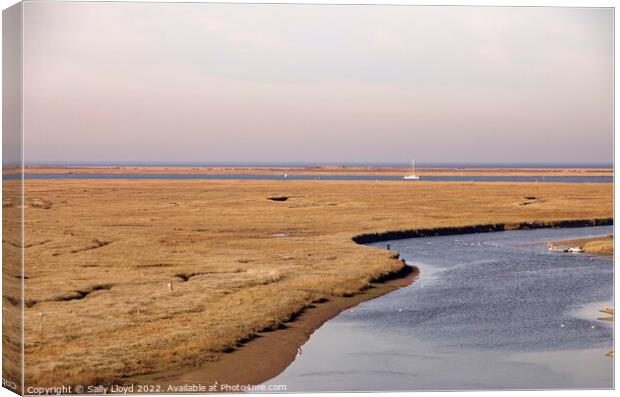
487, 228
269, 353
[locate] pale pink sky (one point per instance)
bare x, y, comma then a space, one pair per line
223, 82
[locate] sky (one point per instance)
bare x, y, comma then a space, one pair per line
171, 82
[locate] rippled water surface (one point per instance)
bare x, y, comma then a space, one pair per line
489, 311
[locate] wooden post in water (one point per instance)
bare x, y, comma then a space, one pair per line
388, 247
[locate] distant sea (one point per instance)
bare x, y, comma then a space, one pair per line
239, 175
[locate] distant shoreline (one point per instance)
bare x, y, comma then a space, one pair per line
308, 170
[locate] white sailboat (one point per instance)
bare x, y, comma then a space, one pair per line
412, 176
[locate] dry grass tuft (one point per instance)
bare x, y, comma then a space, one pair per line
603, 246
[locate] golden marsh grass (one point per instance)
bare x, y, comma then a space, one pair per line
101, 255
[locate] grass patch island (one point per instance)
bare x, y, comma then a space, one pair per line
603, 245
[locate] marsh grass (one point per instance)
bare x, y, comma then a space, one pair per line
604, 246
219, 243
